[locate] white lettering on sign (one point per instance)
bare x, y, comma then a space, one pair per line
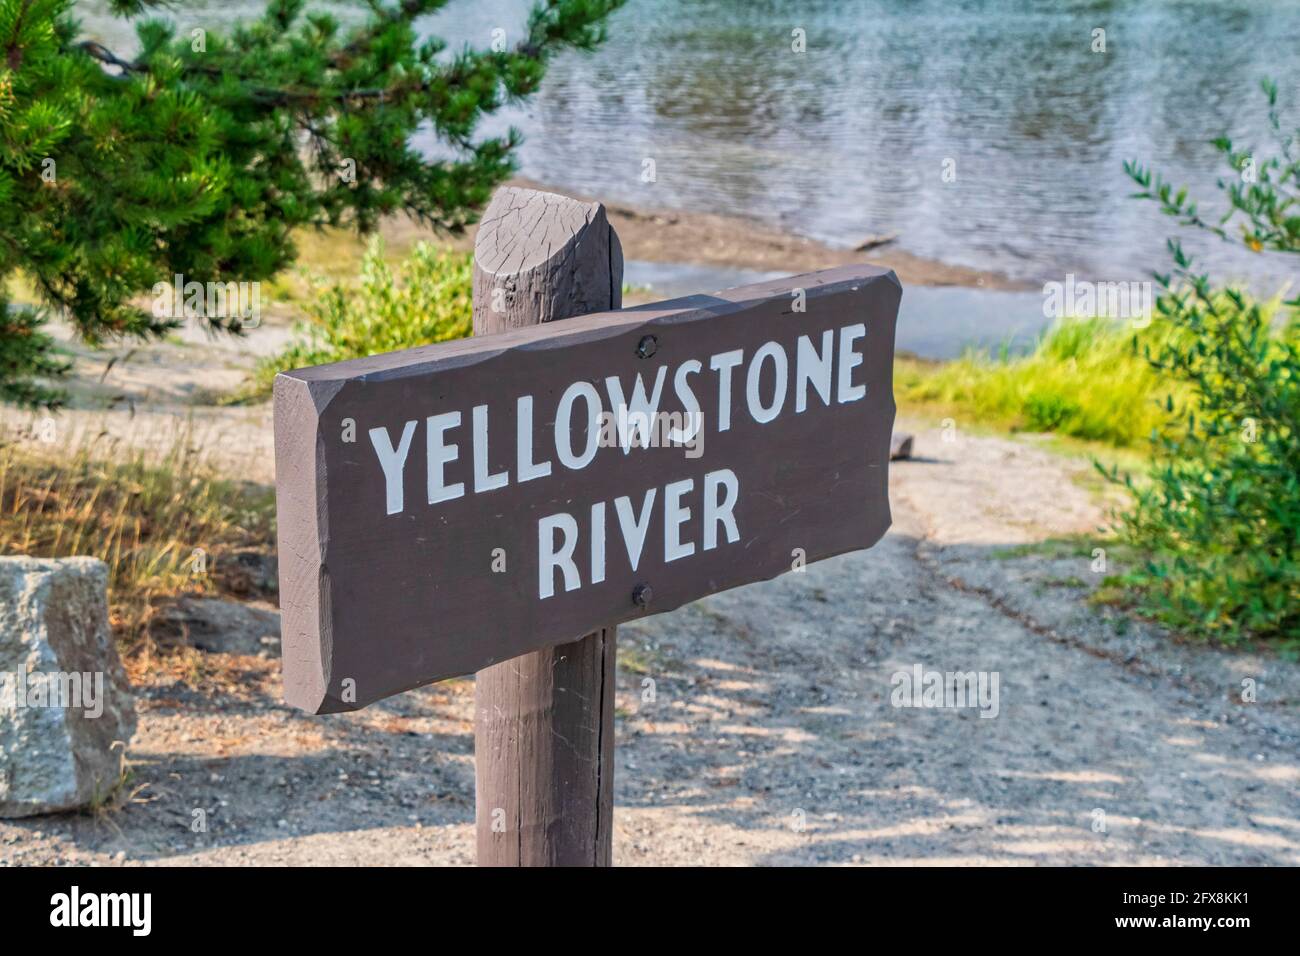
723, 364
482, 480
759, 411
635, 419
553, 557
559, 536
690, 404
718, 508
813, 368
528, 469
564, 425
675, 515
849, 360
392, 461
438, 454
634, 528
774, 381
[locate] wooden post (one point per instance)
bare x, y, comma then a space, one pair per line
544, 722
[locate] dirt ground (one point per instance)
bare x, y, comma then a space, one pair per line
771, 737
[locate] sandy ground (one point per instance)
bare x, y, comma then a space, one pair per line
771, 737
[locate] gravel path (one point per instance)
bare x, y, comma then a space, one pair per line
772, 737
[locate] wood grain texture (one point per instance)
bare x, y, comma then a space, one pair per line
539, 257
544, 721
301, 527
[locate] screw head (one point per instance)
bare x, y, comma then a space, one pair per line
642, 595
647, 347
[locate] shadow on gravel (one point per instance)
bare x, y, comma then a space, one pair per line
780, 726
362, 776
767, 724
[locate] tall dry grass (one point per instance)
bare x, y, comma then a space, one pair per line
161, 521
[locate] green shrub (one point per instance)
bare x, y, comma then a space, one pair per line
428, 301
1220, 515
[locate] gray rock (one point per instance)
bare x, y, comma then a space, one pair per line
900, 446
219, 626
66, 713
248, 572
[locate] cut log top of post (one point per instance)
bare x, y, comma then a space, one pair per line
539, 257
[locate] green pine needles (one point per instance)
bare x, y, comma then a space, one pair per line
200, 155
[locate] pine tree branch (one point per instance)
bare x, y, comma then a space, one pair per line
104, 55
204, 159
543, 38
14, 52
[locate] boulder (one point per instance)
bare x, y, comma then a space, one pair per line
247, 572
66, 713
220, 626
900, 446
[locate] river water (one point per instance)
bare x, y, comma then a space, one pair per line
853, 136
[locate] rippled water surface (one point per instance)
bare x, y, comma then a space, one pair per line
850, 138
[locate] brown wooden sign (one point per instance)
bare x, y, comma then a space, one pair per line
448, 507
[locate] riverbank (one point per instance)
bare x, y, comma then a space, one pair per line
733, 242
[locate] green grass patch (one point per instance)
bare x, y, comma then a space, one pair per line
1085, 378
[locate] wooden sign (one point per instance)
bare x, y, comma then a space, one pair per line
448, 507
